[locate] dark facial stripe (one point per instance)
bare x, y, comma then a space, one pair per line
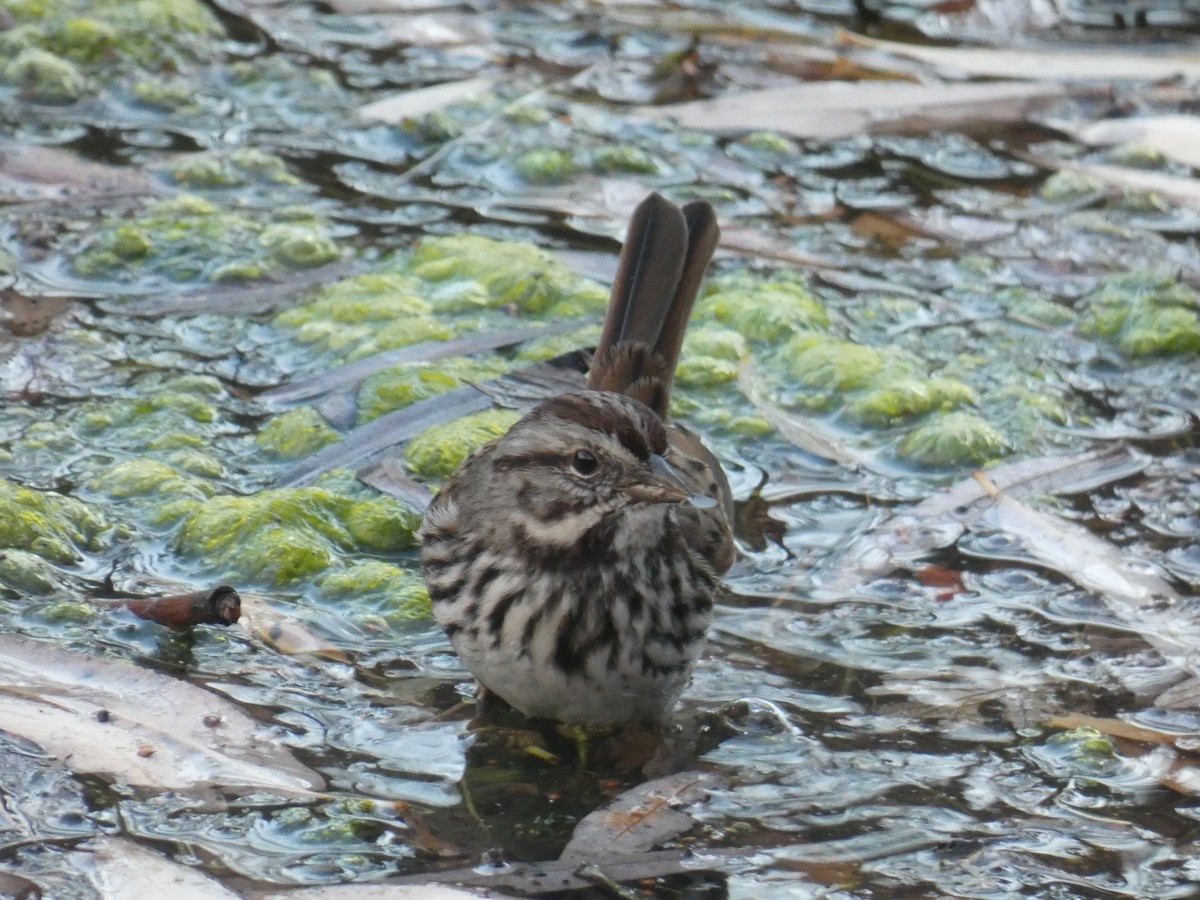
638, 429
527, 461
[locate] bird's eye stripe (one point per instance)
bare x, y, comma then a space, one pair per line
527, 461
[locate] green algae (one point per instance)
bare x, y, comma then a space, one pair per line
238, 168
398, 595
404, 385
103, 36
623, 159
298, 246
445, 287
152, 492
68, 612
769, 142
187, 238
832, 367
906, 398
547, 166
142, 477
154, 414
438, 451
295, 434
710, 357
762, 311
58, 529
43, 77
28, 573
288, 535
953, 439
1032, 307
368, 298
1080, 753
512, 273
1065, 186
1144, 314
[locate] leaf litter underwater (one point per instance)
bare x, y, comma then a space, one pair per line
950, 359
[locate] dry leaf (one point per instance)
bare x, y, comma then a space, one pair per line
1172, 188
837, 109
642, 817
284, 632
1175, 137
122, 870
1067, 64
115, 719
410, 104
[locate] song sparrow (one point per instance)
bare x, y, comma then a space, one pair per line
573, 562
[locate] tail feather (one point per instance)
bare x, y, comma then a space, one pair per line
662, 263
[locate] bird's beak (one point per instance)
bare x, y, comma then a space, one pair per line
665, 487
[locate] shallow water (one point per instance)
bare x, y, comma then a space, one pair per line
905, 695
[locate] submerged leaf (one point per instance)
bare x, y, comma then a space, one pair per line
642, 817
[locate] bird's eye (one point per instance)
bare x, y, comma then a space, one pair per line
584, 462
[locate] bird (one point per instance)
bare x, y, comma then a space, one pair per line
574, 561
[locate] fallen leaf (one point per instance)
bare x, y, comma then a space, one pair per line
1175, 137
122, 870
422, 101
284, 632
1074, 552
1117, 728
806, 432
940, 520
838, 109
112, 718
1172, 188
349, 376
34, 172
642, 817
1044, 63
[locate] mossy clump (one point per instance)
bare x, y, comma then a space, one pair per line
762, 311
107, 35
404, 385
24, 571
833, 367
282, 536
1082, 752
366, 314
1066, 186
54, 527
398, 595
295, 434
144, 477
147, 417
906, 398
242, 167
373, 297
1027, 305
155, 493
438, 451
546, 166
622, 158
187, 238
710, 357
953, 439
43, 77
1144, 314
514, 274
769, 142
